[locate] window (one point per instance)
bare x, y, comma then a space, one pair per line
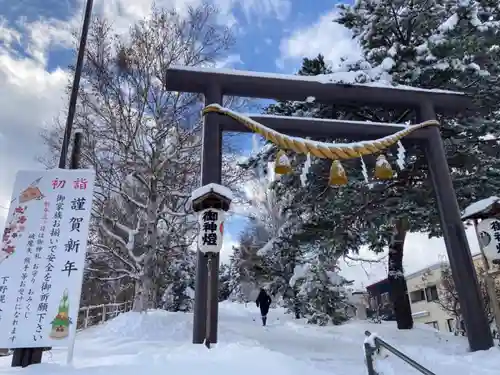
384, 298
417, 295
432, 293
451, 324
434, 324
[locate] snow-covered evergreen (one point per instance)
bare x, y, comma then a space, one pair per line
437, 44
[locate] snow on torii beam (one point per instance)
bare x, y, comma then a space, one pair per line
288, 87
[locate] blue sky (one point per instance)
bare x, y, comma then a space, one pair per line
258, 36
264, 40
36, 46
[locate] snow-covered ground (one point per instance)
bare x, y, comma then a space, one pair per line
159, 343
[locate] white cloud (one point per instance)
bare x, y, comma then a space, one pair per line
31, 97
125, 12
330, 39
229, 61
257, 9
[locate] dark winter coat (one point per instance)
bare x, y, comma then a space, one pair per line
263, 301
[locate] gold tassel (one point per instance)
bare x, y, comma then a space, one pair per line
337, 174
383, 170
282, 164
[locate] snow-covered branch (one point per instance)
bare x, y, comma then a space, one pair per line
364, 260
128, 198
129, 244
169, 212
116, 254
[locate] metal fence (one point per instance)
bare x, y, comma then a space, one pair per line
373, 347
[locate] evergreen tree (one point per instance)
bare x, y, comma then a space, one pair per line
177, 291
225, 282
321, 294
432, 44
446, 45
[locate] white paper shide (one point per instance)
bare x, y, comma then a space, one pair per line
211, 223
42, 257
489, 237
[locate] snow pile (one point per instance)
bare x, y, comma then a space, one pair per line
158, 341
156, 325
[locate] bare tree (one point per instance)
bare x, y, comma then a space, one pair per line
448, 296
143, 142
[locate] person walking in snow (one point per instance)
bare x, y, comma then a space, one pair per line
263, 301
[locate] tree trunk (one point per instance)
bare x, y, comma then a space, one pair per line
396, 278
296, 304
139, 303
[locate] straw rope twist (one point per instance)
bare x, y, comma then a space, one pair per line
319, 149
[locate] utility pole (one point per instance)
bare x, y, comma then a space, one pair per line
76, 84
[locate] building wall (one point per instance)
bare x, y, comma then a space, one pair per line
423, 289
426, 311
420, 284
379, 294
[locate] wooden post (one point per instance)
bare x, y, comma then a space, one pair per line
86, 319
103, 317
209, 301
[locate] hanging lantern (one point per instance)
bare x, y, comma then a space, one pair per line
383, 170
337, 174
282, 164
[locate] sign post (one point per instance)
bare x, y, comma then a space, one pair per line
210, 202
488, 236
488, 232
42, 260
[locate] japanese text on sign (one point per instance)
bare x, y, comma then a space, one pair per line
211, 230
47, 231
489, 237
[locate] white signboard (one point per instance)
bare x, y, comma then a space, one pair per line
489, 237
211, 223
42, 257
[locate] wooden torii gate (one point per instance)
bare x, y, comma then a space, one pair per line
214, 84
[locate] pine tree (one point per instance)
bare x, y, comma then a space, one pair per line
177, 290
320, 291
445, 45
225, 282
433, 44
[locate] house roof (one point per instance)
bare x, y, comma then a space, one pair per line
420, 271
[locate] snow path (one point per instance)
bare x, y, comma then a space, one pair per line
159, 342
